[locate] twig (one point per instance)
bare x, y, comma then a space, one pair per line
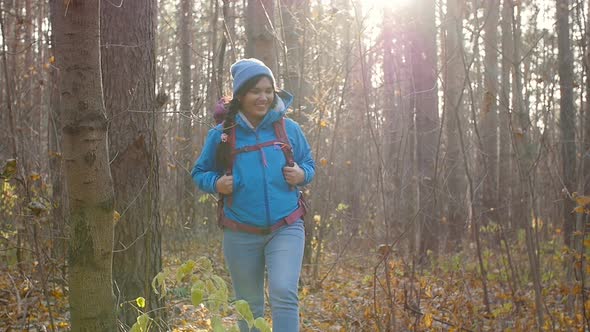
442, 321
42, 274
319, 283
17, 294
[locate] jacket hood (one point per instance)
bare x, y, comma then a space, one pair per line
284, 101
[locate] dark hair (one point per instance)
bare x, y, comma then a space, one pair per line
223, 153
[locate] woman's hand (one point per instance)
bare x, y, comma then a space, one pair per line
225, 184
293, 175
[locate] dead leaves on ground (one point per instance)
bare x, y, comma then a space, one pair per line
355, 296
24, 306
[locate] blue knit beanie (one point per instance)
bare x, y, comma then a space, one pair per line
245, 69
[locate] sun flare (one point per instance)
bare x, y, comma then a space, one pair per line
380, 5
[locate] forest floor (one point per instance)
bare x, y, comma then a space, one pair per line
356, 293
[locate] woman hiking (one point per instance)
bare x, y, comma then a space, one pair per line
255, 159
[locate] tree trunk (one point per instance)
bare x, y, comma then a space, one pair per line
586, 119
184, 183
294, 14
259, 32
489, 116
586, 122
55, 156
30, 151
423, 61
211, 65
129, 86
521, 138
568, 137
90, 187
454, 79
5, 152
396, 127
227, 35
504, 149
566, 117
520, 130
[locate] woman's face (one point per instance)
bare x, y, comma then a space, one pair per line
256, 101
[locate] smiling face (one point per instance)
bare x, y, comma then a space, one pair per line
257, 100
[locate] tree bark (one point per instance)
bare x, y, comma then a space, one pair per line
30, 151
566, 118
55, 156
90, 187
294, 16
184, 145
5, 152
586, 122
521, 141
489, 117
259, 32
454, 79
568, 138
423, 61
129, 87
504, 196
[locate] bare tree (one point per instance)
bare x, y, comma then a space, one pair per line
521, 129
585, 144
129, 86
424, 69
489, 117
567, 133
566, 117
454, 79
504, 148
184, 145
294, 16
396, 127
55, 154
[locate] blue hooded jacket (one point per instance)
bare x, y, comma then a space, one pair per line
261, 196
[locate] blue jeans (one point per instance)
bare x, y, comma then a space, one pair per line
281, 252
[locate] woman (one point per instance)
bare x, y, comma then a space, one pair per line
246, 161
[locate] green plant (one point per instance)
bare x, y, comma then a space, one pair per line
209, 289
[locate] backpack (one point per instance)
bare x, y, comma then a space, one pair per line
281, 140
280, 132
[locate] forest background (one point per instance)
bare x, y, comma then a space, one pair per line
452, 141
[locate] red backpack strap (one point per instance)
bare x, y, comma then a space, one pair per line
281, 134
232, 142
228, 170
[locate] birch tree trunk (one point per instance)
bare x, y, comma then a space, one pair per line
89, 183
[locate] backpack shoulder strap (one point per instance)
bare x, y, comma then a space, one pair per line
281, 134
232, 144
231, 139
